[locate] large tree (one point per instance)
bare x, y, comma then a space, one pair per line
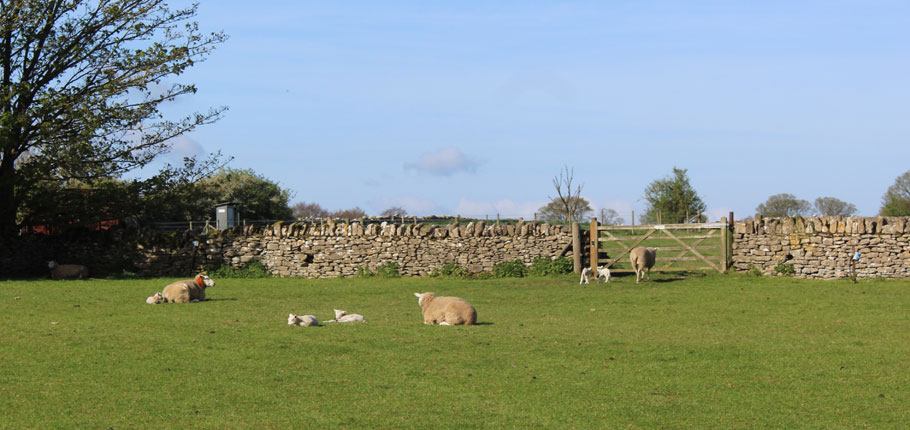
830, 206
673, 200
257, 197
896, 201
784, 205
82, 83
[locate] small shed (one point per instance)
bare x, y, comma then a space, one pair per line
227, 215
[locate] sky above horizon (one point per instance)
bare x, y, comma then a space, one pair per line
473, 107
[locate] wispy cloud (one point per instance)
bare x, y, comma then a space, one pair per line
414, 205
444, 162
182, 146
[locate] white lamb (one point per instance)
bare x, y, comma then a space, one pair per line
642, 259
303, 320
66, 271
155, 299
602, 272
342, 316
445, 310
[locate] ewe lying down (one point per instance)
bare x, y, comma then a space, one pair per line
67, 271
188, 290
445, 310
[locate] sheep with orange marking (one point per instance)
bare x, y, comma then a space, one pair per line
188, 290
445, 310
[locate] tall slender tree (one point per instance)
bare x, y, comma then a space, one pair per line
673, 200
82, 83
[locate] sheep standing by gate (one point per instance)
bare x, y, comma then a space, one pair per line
642, 259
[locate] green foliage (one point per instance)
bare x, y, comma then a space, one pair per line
754, 271
896, 201
251, 270
388, 269
258, 197
84, 89
674, 199
545, 266
364, 272
785, 269
510, 269
691, 350
784, 205
450, 270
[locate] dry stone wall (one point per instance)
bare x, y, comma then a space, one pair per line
324, 250
822, 247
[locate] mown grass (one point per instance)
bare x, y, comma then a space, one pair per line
715, 351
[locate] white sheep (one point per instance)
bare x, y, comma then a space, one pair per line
188, 290
342, 316
303, 320
445, 310
155, 299
642, 259
65, 271
602, 272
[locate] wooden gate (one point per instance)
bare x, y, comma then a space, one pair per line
681, 247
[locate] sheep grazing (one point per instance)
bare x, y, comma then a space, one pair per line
155, 299
67, 271
445, 310
602, 272
303, 320
642, 259
342, 316
188, 290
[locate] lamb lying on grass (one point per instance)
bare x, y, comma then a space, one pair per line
602, 272
67, 271
188, 290
342, 316
155, 299
303, 320
445, 310
642, 259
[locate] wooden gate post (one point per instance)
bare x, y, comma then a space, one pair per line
594, 241
576, 248
724, 239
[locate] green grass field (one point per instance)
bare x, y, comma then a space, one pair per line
715, 351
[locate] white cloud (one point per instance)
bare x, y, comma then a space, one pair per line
183, 146
715, 214
444, 162
505, 209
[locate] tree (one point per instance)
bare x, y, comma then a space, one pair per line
82, 86
394, 211
673, 200
568, 205
784, 205
611, 217
308, 210
830, 206
555, 211
258, 198
896, 201
352, 213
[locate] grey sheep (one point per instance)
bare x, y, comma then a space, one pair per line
66, 271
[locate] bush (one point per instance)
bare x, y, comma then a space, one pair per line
450, 270
252, 269
545, 266
754, 271
785, 269
388, 269
510, 269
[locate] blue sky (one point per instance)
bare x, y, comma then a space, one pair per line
472, 107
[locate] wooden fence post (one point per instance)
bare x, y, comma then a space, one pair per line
594, 235
576, 248
724, 238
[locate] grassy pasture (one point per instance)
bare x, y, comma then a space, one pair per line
714, 351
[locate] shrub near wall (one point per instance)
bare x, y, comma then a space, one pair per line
822, 247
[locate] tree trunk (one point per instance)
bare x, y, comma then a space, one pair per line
8, 202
